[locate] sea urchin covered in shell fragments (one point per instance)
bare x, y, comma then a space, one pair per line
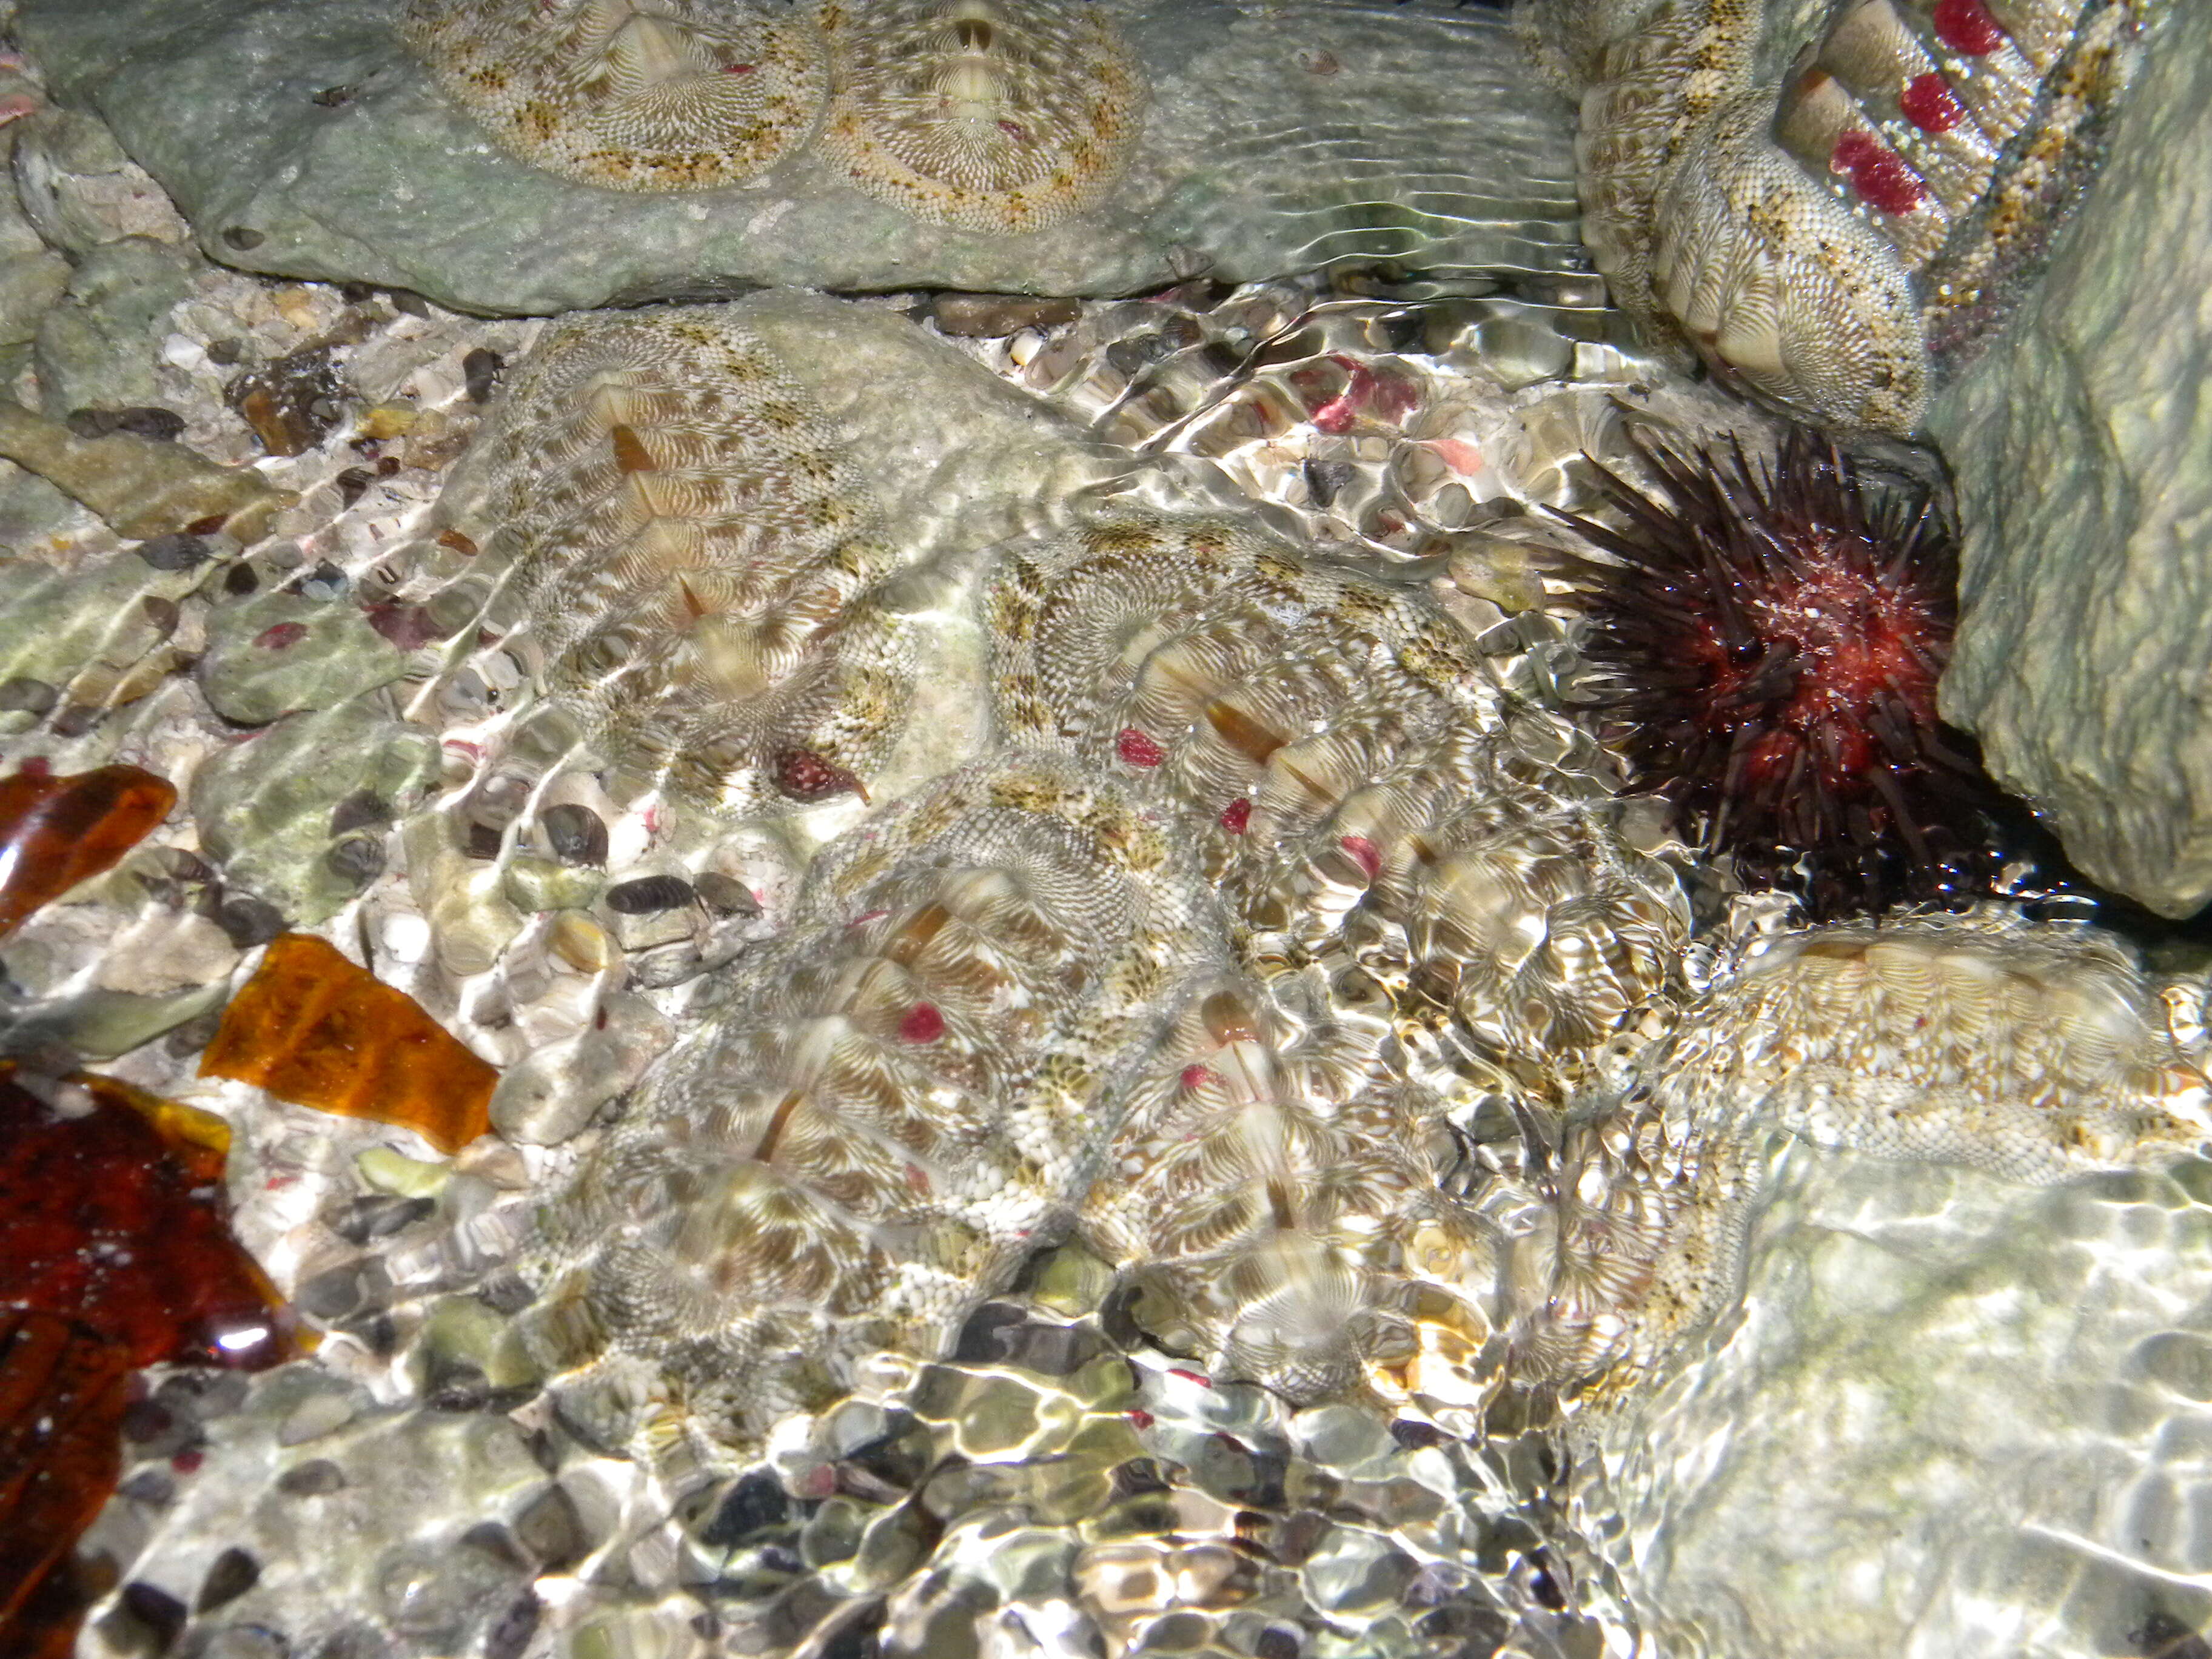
895, 1099
1267, 1190
993, 115
632, 94
695, 556
1832, 242
1347, 774
1774, 635
2035, 1052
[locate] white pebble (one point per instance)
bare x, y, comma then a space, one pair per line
406, 937
182, 353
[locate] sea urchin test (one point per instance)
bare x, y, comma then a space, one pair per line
1833, 236
1002, 116
702, 525
1348, 773
633, 94
696, 551
893, 1107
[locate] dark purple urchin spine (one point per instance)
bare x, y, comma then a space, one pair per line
1773, 636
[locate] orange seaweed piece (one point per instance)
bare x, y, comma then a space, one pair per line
313, 1029
114, 1253
56, 831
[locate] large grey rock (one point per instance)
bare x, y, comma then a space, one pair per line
78, 187
1278, 137
32, 275
99, 349
1951, 1418
2083, 447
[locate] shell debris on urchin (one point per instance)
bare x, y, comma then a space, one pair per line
993, 115
1268, 1194
889, 1110
1348, 775
631, 95
1824, 241
696, 556
2035, 1052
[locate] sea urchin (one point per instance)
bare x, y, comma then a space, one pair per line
1773, 635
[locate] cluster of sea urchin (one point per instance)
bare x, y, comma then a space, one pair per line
1774, 635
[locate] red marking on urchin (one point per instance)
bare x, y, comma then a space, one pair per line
738, 68
805, 776
1142, 1418
921, 1023
1879, 175
1136, 749
1015, 130
1367, 391
279, 636
1197, 1077
1774, 637
1967, 26
1237, 816
1927, 103
1202, 1380
1364, 852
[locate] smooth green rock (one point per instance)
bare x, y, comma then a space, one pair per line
76, 185
278, 652
142, 488
32, 275
264, 807
59, 623
97, 349
535, 884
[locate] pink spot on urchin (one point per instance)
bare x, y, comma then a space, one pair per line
1877, 173
917, 1179
1335, 415
868, 916
922, 1024
1136, 749
409, 626
280, 635
1460, 456
16, 106
1015, 130
1197, 1077
1927, 103
1236, 816
1967, 26
738, 68
1368, 392
1363, 853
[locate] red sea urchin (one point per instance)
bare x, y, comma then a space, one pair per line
1774, 636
